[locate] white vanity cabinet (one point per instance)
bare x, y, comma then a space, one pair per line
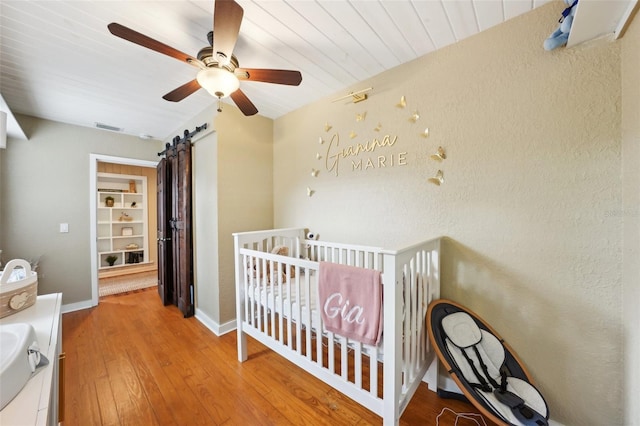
41, 400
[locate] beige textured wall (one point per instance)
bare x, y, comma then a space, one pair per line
528, 206
44, 182
245, 189
631, 215
205, 226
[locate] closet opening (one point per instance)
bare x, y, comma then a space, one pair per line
123, 225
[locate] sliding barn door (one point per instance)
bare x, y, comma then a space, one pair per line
175, 253
165, 248
181, 236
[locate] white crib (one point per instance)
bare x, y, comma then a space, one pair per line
277, 304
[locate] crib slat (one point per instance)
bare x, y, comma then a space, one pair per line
320, 325
414, 319
280, 310
307, 320
332, 354
252, 295
289, 310
274, 292
247, 285
373, 371
406, 321
423, 306
344, 360
298, 317
264, 299
358, 364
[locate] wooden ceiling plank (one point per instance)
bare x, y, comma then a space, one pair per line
489, 13
462, 17
436, 22
408, 23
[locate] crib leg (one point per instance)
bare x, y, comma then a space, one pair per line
242, 345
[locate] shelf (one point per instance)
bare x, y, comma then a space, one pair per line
123, 190
125, 265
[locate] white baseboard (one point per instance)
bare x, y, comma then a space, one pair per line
217, 329
78, 306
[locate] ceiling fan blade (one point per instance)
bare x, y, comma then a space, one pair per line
182, 92
144, 41
291, 78
227, 17
246, 106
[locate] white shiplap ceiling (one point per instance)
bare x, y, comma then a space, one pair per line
58, 60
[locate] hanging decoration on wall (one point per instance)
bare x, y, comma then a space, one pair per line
438, 179
440, 155
358, 96
366, 150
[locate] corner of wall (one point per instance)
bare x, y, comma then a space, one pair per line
631, 215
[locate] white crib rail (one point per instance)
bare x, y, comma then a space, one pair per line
277, 306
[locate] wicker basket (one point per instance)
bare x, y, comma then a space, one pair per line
18, 288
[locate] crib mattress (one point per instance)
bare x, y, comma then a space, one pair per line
284, 299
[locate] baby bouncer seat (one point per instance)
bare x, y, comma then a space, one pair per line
484, 367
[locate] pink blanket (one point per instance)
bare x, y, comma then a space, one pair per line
351, 301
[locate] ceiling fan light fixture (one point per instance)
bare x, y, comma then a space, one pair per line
218, 81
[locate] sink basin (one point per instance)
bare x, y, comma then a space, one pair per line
19, 359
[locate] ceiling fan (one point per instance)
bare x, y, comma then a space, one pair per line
219, 72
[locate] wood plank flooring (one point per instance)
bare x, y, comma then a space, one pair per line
132, 361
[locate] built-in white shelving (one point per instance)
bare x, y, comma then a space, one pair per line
122, 221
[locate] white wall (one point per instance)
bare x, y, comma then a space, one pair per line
528, 206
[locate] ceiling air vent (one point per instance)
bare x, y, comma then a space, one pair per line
108, 127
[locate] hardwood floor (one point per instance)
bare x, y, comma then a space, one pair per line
132, 361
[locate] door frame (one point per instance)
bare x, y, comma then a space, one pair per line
93, 203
